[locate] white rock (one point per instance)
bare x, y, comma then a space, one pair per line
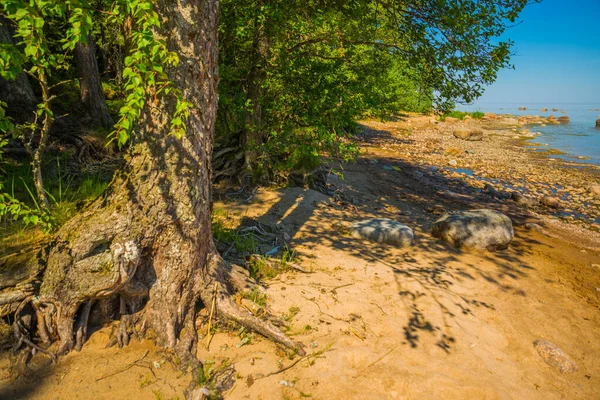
384, 230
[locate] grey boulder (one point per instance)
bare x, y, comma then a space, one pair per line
477, 229
383, 230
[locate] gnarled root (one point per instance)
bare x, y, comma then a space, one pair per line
121, 332
226, 307
22, 328
81, 331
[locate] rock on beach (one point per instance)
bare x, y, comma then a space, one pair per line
482, 229
551, 202
470, 135
555, 357
383, 230
523, 200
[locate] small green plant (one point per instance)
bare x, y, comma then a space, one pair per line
287, 258
146, 381
477, 115
221, 232
245, 243
256, 296
261, 268
158, 395
224, 233
245, 337
292, 312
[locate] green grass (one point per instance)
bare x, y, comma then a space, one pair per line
66, 191
461, 115
224, 232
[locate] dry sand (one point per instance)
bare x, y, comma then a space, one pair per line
429, 322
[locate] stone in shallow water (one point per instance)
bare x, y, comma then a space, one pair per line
478, 229
555, 357
384, 230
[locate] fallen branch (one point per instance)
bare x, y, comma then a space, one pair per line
279, 371
126, 368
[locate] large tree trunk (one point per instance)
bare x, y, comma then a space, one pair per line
148, 242
92, 95
16, 93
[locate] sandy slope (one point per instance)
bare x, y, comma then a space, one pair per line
430, 322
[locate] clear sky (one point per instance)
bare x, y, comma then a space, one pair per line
557, 60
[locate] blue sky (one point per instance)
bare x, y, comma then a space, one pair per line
557, 60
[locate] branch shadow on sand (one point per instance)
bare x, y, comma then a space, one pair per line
428, 273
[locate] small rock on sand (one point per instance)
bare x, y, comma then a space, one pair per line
555, 357
594, 189
470, 135
551, 202
489, 189
532, 226
478, 229
383, 230
522, 199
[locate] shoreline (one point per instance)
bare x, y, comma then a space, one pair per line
505, 160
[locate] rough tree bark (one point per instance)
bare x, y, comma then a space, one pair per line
16, 93
91, 92
148, 242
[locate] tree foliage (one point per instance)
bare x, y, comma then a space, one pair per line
301, 72
294, 75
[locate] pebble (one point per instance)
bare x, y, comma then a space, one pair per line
555, 356
550, 201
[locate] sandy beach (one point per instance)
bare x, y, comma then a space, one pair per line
431, 321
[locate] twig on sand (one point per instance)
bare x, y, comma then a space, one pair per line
356, 334
212, 312
378, 306
126, 368
382, 357
324, 313
298, 268
306, 357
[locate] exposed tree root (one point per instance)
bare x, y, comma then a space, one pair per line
81, 331
228, 309
68, 324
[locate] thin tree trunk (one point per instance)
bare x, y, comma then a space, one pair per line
148, 240
253, 129
92, 95
38, 153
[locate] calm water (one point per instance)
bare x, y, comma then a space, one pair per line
578, 138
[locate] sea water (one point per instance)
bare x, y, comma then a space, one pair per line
580, 137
